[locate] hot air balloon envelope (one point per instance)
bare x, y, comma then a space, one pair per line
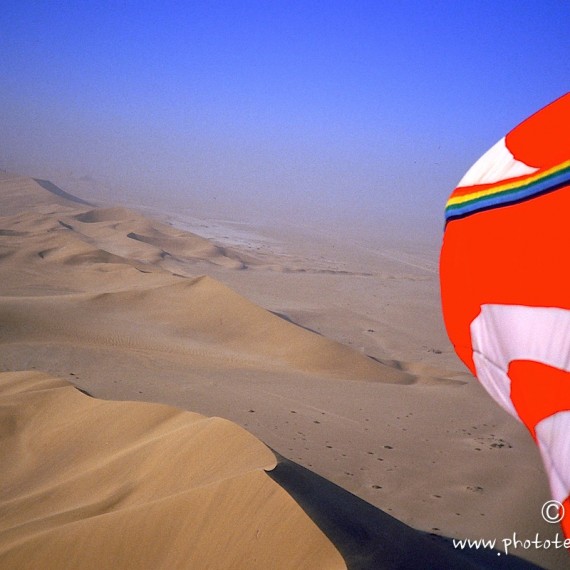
505, 280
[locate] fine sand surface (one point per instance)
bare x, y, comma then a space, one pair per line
98, 484
329, 350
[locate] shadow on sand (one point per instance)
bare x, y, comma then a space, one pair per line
370, 539
51, 187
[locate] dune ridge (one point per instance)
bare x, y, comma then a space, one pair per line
199, 317
21, 193
98, 484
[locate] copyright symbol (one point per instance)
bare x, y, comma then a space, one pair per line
552, 511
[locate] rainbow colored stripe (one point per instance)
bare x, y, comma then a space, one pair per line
470, 200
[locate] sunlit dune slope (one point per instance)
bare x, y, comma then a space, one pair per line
87, 483
199, 318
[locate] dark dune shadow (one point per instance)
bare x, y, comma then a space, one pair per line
12, 233
66, 226
290, 320
51, 187
370, 539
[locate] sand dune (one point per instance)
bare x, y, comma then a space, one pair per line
20, 193
199, 317
93, 484
98, 215
331, 353
126, 233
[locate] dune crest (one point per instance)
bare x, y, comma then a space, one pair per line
98, 215
201, 319
87, 483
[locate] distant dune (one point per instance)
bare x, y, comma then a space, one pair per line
302, 350
198, 316
20, 193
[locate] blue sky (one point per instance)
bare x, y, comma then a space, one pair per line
368, 111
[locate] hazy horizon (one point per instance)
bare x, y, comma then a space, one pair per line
363, 113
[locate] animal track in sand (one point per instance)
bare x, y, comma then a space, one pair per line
494, 442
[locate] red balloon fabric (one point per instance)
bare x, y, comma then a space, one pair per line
505, 281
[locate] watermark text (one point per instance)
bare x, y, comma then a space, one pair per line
513, 542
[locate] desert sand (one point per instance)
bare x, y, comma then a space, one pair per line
326, 349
